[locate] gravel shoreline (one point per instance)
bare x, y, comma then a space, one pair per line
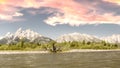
22, 52
91, 50
73, 50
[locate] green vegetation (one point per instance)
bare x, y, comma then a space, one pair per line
87, 45
57, 47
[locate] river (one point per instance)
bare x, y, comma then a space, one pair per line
103, 59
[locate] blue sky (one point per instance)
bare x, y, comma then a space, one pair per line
53, 18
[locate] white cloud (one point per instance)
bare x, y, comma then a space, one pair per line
18, 14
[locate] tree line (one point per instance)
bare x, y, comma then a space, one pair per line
56, 47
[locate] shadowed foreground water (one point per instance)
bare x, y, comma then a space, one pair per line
62, 60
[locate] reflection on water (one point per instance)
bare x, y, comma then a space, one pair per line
62, 60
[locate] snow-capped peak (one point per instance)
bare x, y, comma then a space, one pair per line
19, 30
29, 34
8, 34
112, 39
77, 37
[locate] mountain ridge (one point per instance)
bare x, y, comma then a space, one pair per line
31, 36
28, 36
115, 38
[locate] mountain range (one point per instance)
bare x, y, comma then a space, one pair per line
27, 35
31, 36
112, 39
77, 37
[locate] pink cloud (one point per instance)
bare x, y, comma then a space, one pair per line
76, 14
114, 1
8, 12
68, 11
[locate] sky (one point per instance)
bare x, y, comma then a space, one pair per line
53, 18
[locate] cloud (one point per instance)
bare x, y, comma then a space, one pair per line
72, 12
114, 1
9, 13
18, 14
76, 13
10, 8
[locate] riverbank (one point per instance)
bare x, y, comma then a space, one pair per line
73, 50
91, 50
22, 52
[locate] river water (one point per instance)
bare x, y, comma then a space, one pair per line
106, 59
